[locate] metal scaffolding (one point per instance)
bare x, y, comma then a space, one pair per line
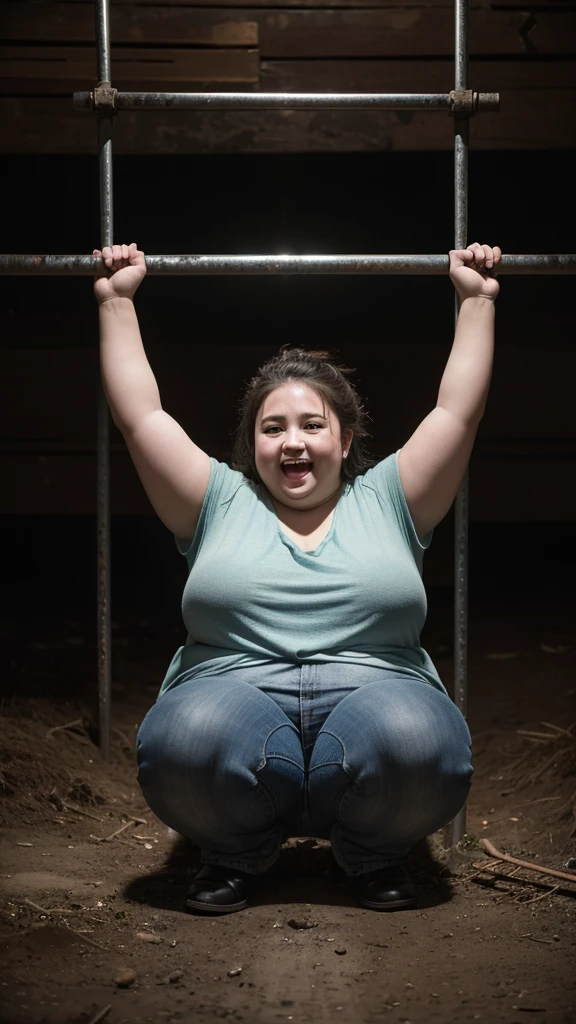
461, 103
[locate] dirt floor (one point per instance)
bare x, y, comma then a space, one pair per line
92, 925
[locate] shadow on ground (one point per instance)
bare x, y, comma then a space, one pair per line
299, 876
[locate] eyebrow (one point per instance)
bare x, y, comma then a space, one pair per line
304, 416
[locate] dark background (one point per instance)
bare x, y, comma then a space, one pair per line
206, 336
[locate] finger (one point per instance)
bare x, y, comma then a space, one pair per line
488, 255
125, 253
132, 250
108, 255
463, 255
479, 257
96, 252
117, 252
497, 254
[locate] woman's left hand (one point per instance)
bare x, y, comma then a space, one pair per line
471, 271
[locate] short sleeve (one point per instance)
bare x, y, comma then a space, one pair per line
223, 484
384, 479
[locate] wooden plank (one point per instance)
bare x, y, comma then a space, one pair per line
74, 23
536, 113
401, 31
412, 76
410, 32
169, 65
59, 69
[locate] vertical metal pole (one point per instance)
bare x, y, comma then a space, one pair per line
461, 133
104, 127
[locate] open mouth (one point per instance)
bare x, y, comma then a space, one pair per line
296, 469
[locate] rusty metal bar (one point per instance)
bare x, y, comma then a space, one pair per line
104, 120
477, 101
184, 266
461, 146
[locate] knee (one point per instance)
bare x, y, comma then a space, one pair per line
214, 733
386, 728
179, 730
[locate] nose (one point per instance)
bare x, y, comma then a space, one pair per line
293, 440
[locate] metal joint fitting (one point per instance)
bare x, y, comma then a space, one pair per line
104, 98
462, 103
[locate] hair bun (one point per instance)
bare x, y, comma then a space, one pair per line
311, 355
317, 354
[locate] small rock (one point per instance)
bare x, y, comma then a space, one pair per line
301, 923
174, 976
234, 972
149, 937
340, 950
125, 978
570, 864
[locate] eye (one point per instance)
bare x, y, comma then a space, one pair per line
270, 430
316, 426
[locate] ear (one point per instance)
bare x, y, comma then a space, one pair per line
347, 438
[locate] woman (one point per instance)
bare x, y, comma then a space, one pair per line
302, 702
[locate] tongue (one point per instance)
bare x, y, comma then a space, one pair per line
295, 472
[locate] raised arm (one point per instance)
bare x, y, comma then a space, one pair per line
433, 462
173, 470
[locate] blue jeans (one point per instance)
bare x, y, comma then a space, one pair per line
372, 759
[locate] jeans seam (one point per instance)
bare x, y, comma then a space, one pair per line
343, 764
262, 764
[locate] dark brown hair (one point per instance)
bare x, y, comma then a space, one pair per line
328, 380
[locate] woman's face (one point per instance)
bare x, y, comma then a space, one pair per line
298, 446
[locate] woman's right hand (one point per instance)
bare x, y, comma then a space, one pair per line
128, 268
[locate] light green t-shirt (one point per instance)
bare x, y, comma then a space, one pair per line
252, 596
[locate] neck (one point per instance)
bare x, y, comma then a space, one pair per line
311, 508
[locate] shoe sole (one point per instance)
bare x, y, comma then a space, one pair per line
215, 908
390, 905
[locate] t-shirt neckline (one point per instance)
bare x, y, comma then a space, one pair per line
291, 544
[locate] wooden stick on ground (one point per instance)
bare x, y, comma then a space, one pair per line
56, 910
491, 849
80, 810
101, 1014
133, 821
58, 728
557, 728
85, 938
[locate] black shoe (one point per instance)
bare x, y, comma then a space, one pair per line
384, 889
218, 890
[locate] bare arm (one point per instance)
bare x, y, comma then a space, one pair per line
433, 462
173, 470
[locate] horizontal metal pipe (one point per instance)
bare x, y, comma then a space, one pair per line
86, 266
282, 101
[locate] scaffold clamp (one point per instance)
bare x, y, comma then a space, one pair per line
462, 103
104, 99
